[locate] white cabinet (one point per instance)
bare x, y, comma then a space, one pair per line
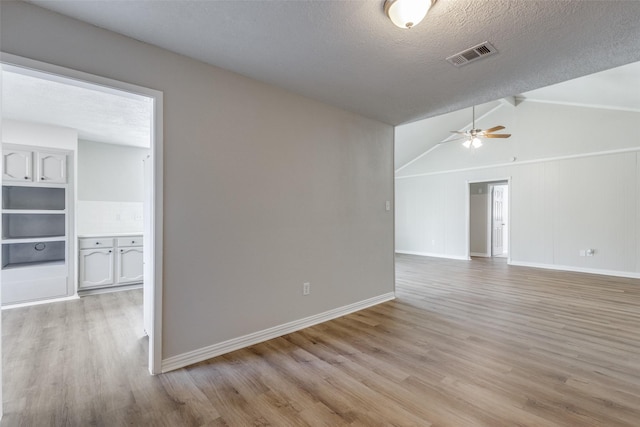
52, 167
96, 268
18, 166
107, 261
36, 224
129, 265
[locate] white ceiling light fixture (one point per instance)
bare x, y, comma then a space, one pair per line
407, 13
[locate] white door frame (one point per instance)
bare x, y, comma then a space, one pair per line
468, 212
153, 242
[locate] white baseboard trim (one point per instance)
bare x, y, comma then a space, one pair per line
106, 290
39, 302
480, 254
433, 255
627, 274
204, 353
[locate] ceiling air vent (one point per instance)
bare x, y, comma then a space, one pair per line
473, 54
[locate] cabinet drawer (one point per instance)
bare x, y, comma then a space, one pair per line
124, 242
96, 243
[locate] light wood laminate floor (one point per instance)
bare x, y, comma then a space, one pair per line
475, 343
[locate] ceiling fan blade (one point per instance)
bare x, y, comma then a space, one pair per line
493, 129
460, 132
497, 135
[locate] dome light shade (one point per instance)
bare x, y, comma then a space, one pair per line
407, 13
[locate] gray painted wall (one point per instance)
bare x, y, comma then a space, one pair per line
263, 189
110, 173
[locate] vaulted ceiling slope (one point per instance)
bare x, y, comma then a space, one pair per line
348, 54
615, 89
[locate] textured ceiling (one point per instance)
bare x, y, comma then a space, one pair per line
104, 116
348, 54
616, 89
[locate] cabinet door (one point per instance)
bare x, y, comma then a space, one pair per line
52, 167
130, 265
17, 165
96, 268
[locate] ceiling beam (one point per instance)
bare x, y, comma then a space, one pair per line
509, 100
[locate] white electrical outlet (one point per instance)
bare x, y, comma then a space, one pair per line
591, 252
306, 288
387, 205
583, 252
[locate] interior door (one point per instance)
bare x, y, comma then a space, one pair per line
498, 219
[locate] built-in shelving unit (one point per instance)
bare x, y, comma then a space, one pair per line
35, 225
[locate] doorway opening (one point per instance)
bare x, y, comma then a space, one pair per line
488, 207
148, 216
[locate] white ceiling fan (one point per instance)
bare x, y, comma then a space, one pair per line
473, 136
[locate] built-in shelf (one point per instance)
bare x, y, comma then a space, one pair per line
37, 202
33, 253
28, 226
33, 198
33, 264
35, 212
35, 240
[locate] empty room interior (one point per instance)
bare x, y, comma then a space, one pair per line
320, 213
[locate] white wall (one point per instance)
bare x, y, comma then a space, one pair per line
263, 190
40, 135
109, 172
110, 188
566, 193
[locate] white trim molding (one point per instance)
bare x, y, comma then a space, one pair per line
45, 301
520, 99
433, 255
480, 254
205, 353
615, 273
523, 162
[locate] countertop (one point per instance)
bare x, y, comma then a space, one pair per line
95, 235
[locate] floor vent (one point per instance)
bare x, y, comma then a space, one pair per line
473, 54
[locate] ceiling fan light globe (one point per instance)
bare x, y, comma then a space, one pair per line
466, 143
476, 142
407, 13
